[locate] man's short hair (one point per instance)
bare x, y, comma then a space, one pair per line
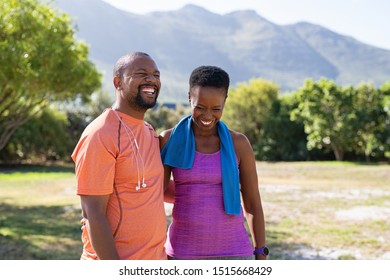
123, 62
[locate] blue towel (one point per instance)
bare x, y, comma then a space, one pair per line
179, 152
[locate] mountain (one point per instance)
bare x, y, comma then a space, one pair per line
245, 44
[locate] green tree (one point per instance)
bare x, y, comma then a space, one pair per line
384, 135
162, 118
248, 107
28, 143
283, 139
370, 120
40, 62
61, 124
326, 111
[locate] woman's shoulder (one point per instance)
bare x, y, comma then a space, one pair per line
238, 137
164, 137
241, 143
166, 133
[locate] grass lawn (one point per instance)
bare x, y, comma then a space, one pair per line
39, 213
326, 210
322, 210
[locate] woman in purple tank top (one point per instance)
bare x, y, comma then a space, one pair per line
205, 223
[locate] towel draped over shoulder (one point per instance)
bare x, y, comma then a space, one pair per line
179, 152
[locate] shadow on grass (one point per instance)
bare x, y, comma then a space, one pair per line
280, 249
25, 168
39, 232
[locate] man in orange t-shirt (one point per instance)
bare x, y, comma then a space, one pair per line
119, 170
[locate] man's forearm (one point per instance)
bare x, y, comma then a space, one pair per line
101, 238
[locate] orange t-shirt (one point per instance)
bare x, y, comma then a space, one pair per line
108, 162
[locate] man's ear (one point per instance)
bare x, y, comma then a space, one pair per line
189, 97
117, 82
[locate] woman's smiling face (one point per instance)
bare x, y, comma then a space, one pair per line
207, 105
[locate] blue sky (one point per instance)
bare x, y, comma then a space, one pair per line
366, 20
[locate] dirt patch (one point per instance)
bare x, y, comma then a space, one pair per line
359, 213
306, 253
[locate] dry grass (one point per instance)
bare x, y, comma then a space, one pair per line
326, 210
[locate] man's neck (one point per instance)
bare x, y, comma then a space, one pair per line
138, 114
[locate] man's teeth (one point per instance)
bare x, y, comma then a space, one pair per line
148, 90
206, 123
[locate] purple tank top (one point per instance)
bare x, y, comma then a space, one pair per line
200, 227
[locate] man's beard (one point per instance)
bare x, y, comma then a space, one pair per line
142, 104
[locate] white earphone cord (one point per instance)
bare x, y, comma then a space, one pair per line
127, 129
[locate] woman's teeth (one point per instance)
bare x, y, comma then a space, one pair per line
206, 123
